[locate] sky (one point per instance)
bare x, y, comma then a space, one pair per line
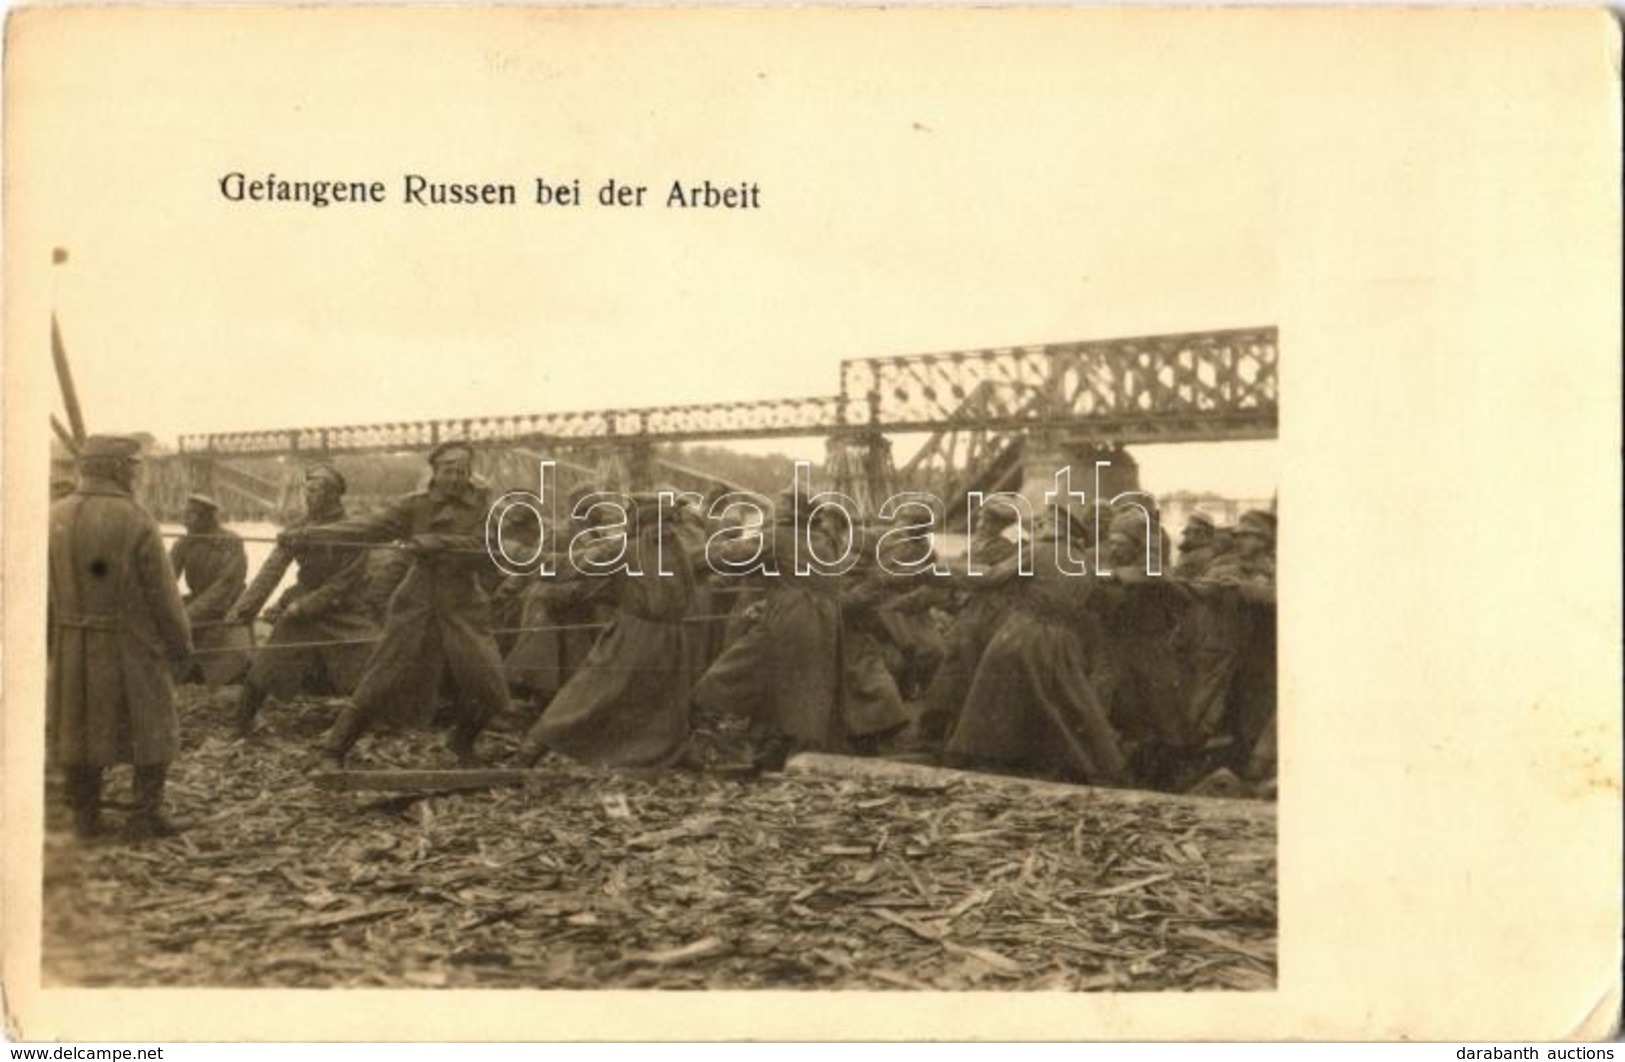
995, 190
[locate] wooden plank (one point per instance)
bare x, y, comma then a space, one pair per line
828, 765
65, 436
64, 379
426, 781
449, 780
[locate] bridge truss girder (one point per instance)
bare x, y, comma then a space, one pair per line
1208, 385
975, 406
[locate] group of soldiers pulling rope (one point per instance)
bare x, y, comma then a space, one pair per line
1024, 666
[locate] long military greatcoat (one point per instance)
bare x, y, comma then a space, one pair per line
974, 625
561, 620
1138, 677
1032, 706
785, 671
871, 701
1239, 698
628, 704
439, 618
330, 589
117, 621
215, 567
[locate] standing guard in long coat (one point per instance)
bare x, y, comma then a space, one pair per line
628, 704
1032, 706
324, 605
784, 673
117, 625
439, 618
211, 560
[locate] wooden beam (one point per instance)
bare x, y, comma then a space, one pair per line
64, 379
66, 436
826, 765
448, 781
408, 781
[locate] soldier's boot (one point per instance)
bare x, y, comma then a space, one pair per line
248, 709
772, 752
460, 743
464, 734
531, 749
342, 737
1260, 766
84, 794
149, 820
931, 726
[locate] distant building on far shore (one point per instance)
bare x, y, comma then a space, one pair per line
1178, 507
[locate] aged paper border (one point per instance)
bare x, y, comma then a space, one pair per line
1450, 611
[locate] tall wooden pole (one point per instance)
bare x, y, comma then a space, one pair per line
64, 378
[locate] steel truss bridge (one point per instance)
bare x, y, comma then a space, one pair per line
978, 410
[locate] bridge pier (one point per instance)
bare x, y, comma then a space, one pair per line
640, 466
862, 469
1044, 455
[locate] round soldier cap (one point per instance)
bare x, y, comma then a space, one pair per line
1256, 522
325, 470
111, 446
440, 452
997, 515
203, 500
1130, 522
1199, 519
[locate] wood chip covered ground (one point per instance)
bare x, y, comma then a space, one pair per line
582, 878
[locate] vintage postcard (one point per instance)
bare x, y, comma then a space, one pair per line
945, 523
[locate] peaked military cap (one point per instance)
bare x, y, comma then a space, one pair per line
1130, 521
326, 470
447, 447
998, 515
1256, 522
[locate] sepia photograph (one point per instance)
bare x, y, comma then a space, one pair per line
796, 749
761, 502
